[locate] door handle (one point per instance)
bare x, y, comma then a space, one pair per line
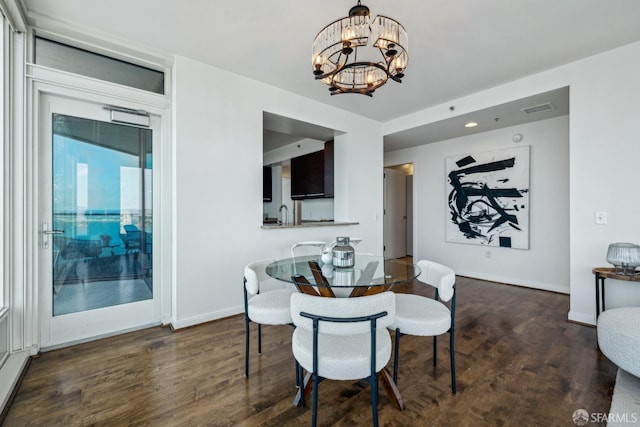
53, 231
45, 234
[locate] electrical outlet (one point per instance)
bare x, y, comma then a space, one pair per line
601, 218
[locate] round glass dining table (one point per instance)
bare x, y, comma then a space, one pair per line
370, 274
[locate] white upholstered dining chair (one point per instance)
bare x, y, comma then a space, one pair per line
421, 316
342, 339
317, 246
266, 302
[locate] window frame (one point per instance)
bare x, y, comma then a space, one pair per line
82, 62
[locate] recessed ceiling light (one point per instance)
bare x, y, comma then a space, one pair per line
471, 125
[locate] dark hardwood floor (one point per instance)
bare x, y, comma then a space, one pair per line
519, 362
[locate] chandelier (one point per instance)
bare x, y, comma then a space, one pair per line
341, 61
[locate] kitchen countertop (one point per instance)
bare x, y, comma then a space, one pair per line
308, 224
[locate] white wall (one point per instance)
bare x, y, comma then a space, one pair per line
218, 188
409, 215
603, 147
317, 209
548, 214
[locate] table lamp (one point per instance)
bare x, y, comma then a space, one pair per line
625, 257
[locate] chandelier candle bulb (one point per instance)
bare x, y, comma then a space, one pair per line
319, 62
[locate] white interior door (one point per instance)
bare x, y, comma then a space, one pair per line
409, 210
395, 216
95, 208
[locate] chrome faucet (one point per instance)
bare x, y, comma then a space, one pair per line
286, 214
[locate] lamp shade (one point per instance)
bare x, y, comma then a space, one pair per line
624, 256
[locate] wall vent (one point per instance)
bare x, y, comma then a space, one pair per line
538, 108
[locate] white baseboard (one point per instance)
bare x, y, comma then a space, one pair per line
10, 374
587, 319
518, 282
207, 317
166, 320
98, 337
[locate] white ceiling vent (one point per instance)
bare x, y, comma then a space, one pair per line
538, 108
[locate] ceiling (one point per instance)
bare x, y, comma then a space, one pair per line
552, 104
278, 131
455, 47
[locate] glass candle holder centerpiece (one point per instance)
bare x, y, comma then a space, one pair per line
625, 257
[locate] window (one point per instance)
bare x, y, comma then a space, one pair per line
79, 61
5, 39
4, 137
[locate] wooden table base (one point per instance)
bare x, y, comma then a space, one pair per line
391, 388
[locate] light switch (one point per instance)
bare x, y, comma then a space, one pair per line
601, 217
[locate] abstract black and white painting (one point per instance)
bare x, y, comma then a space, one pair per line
488, 198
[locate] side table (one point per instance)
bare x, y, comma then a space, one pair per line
602, 273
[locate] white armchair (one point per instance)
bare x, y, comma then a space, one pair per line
264, 307
619, 337
342, 339
317, 244
421, 316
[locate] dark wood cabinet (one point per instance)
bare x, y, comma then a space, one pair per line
328, 169
267, 181
307, 176
312, 175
